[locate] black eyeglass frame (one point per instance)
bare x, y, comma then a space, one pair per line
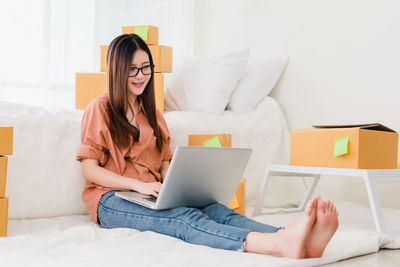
141, 69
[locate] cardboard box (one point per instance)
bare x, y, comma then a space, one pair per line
239, 202
199, 139
6, 140
225, 140
162, 57
149, 34
3, 175
366, 146
88, 86
159, 91
103, 58
3, 216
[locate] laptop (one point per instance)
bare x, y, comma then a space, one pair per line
197, 177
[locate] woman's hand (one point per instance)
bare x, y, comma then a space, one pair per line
147, 188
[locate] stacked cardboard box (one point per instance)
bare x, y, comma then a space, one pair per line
91, 85
223, 140
6, 148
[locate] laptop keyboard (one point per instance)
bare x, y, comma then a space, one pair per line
151, 198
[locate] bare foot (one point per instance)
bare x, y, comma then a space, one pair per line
288, 242
325, 226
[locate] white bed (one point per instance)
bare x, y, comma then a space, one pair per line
44, 184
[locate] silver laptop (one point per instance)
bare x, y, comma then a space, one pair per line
197, 177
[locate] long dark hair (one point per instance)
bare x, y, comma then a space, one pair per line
119, 57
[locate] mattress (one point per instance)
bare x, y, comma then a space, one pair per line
77, 241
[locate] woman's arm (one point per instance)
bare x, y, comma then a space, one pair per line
92, 172
163, 169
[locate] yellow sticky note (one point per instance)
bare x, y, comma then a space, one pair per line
341, 146
213, 142
142, 32
234, 204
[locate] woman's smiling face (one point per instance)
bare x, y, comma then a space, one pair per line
137, 83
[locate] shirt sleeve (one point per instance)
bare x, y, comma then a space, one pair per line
166, 150
93, 132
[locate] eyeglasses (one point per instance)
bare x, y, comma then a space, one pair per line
146, 70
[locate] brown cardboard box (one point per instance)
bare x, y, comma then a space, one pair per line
87, 87
3, 216
152, 33
3, 175
369, 146
90, 85
162, 57
159, 91
6, 140
199, 139
239, 200
103, 58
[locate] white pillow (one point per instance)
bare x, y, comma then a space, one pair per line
206, 83
257, 82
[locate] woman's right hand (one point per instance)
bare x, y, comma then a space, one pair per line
147, 188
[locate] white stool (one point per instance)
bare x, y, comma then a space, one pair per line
370, 177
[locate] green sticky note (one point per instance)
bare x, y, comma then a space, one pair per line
142, 32
398, 166
341, 146
213, 142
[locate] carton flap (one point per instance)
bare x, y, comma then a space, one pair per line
369, 126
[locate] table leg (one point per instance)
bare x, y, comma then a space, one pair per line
261, 195
377, 215
309, 192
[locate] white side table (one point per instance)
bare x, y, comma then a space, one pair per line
370, 177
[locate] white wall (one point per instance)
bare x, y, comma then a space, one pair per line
344, 54
343, 61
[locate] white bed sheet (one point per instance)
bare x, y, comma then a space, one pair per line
77, 241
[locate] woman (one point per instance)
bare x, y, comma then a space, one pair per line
126, 146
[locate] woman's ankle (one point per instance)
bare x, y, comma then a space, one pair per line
261, 243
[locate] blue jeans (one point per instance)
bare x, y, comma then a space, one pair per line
214, 225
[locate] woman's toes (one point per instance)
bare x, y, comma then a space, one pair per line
321, 205
330, 207
311, 205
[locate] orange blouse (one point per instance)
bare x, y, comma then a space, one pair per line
141, 161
